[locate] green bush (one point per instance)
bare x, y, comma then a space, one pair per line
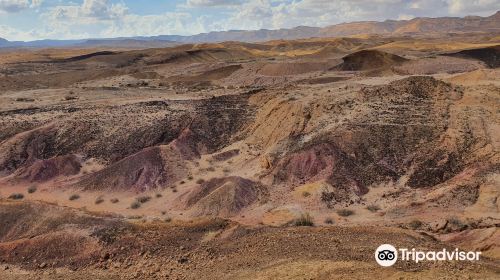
455, 223
135, 205
99, 200
305, 220
143, 199
415, 224
200, 181
32, 189
373, 208
345, 212
16, 196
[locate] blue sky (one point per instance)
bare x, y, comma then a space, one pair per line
73, 19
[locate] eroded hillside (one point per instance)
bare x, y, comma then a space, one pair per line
245, 139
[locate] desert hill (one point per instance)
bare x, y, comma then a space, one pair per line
370, 60
490, 55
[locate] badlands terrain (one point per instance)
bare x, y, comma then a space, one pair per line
285, 159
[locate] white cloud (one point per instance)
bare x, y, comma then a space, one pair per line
89, 12
14, 6
212, 3
468, 7
405, 17
9, 32
15, 34
167, 23
102, 9
36, 3
102, 18
282, 14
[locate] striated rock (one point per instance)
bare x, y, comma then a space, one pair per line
225, 196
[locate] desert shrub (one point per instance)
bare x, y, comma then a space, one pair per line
114, 200
167, 220
306, 194
226, 170
415, 224
135, 205
32, 189
182, 182
158, 195
174, 190
373, 208
69, 97
328, 198
415, 203
24, 99
190, 177
305, 220
200, 181
134, 217
329, 221
211, 169
99, 200
143, 199
345, 212
456, 223
74, 197
163, 212
16, 196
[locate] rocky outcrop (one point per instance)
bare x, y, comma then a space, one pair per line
151, 168
224, 196
370, 60
48, 169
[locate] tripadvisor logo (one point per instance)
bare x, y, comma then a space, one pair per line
387, 255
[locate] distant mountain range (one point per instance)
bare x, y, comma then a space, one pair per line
414, 26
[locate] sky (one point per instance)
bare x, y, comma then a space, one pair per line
77, 19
